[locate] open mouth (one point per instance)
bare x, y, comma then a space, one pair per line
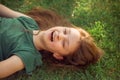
52, 36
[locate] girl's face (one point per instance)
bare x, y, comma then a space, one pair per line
61, 41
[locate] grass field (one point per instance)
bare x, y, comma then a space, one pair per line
99, 17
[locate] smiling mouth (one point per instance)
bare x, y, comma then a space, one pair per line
52, 36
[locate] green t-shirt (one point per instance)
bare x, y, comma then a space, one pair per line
16, 40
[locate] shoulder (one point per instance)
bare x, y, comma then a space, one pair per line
27, 21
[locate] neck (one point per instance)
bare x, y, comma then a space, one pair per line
36, 39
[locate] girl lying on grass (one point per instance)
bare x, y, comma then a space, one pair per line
23, 38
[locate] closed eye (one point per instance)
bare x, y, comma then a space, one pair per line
65, 32
63, 43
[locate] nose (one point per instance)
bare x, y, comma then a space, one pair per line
60, 36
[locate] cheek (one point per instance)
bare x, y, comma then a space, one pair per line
56, 46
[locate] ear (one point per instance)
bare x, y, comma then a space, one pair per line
57, 56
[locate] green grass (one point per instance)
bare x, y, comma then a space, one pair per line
100, 18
